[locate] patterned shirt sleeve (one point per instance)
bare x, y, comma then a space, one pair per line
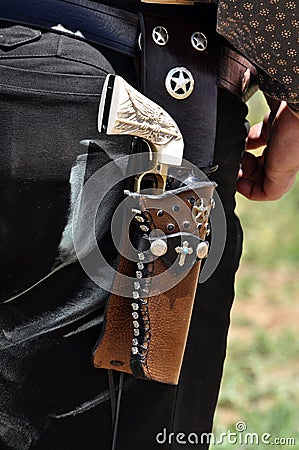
267, 33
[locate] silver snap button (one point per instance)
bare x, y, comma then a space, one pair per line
199, 41
160, 35
158, 247
179, 83
202, 250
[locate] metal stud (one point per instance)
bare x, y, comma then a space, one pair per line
138, 274
202, 250
199, 41
135, 342
136, 285
135, 315
135, 324
139, 219
208, 230
179, 83
135, 295
141, 256
134, 350
136, 332
135, 306
160, 35
158, 247
140, 266
140, 41
144, 228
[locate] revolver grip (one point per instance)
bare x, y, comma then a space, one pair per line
124, 110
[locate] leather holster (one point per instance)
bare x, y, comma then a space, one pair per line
145, 334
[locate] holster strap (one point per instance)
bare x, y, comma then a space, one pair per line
196, 115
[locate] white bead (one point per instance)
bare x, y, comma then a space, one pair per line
141, 256
202, 250
158, 247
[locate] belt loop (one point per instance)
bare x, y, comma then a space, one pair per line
183, 79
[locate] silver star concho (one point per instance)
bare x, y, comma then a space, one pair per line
179, 83
160, 35
199, 41
183, 252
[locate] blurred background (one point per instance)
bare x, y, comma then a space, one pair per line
261, 378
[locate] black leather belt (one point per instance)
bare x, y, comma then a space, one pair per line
114, 28
118, 30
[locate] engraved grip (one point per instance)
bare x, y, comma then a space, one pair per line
124, 110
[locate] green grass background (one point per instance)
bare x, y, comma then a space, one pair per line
261, 378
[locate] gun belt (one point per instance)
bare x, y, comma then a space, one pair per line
118, 30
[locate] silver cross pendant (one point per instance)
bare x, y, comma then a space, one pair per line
183, 252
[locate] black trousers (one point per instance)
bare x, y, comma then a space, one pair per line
51, 396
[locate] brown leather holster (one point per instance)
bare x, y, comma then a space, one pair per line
145, 334
146, 328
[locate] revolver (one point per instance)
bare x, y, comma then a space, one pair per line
124, 110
